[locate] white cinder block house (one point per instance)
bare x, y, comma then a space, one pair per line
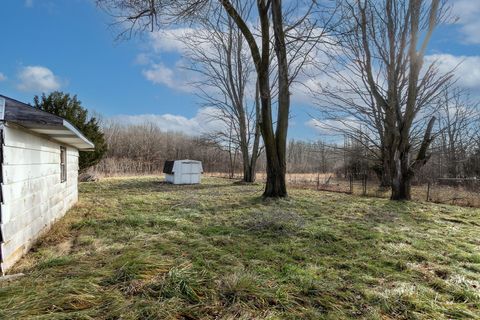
38, 176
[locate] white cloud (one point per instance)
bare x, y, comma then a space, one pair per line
468, 13
203, 122
466, 68
333, 127
37, 79
160, 74
177, 78
28, 3
3, 77
168, 40
142, 59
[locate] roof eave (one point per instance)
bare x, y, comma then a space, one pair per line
64, 133
89, 146
43, 123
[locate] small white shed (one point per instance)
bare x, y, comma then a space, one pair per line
183, 171
38, 174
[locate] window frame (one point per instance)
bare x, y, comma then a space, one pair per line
63, 164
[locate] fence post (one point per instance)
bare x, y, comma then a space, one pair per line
428, 191
365, 185
351, 184
318, 181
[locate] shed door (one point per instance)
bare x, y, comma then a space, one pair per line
195, 173
191, 172
186, 172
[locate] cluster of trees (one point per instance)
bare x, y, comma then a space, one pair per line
457, 148
447, 161
277, 42
314, 157
381, 92
385, 93
143, 149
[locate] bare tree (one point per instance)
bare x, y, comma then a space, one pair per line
473, 161
301, 32
298, 33
225, 140
385, 86
458, 117
143, 148
313, 157
218, 52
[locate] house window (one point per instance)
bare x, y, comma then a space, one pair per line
63, 164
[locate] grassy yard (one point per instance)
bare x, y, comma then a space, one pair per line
135, 248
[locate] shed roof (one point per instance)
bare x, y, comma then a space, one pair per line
38, 121
168, 167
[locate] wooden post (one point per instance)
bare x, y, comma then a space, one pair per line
351, 184
365, 184
318, 181
428, 191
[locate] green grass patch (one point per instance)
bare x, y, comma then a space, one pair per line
137, 248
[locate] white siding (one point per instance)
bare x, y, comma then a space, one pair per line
170, 178
33, 196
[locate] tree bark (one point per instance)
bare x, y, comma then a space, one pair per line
275, 142
405, 169
277, 167
276, 184
401, 189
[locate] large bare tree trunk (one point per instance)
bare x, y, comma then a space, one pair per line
404, 169
275, 142
275, 185
401, 189
403, 69
277, 166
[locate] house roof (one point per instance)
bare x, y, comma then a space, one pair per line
44, 123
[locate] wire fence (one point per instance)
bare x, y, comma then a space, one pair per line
461, 192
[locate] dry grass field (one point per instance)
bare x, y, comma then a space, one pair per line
137, 248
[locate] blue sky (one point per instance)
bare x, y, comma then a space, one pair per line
68, 45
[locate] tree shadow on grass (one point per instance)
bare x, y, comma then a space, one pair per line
146, 186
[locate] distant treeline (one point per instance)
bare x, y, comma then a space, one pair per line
143, 149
